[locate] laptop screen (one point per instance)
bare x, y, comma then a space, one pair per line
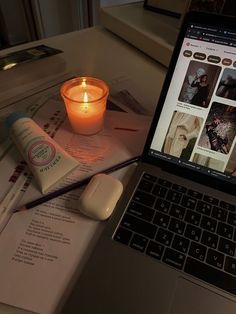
197, 124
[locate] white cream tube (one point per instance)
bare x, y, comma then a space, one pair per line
47, 161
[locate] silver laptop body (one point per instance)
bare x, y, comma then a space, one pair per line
170, 246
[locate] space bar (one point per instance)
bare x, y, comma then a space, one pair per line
211, 275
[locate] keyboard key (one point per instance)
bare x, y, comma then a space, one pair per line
162, 205
209, 239
180, 244
230, 265
139, 243
227, 206
141, 211
164, 236
145, 185
139, 226
227, 246
189, 202
155, 250
144, 228
179, 188
192, 217
176, 226
219, 213
177, 211
174, 258
215, 258
225, 230
173, 196
232, 219
211, 200
195, 194
149, 177
203, 208
159, 190
123, 235
197, 251
144, 198
164, 183
161, 220
211, 275
208, 223
193, 233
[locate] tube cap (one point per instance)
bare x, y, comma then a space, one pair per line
13, 117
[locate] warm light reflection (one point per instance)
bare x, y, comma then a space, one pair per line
85, 97
85, 102
100, 147
84, 83
9, 66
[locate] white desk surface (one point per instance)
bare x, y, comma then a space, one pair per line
90, 52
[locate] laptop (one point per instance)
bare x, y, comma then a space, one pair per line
170, 246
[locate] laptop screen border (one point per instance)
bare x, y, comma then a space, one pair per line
191, 17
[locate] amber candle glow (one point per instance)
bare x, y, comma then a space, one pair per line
85, 100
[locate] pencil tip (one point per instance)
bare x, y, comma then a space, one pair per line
16, 210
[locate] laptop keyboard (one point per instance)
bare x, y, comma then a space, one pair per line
183, 228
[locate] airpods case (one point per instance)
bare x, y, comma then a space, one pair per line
100, 196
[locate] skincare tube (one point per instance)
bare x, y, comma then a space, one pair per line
47, 161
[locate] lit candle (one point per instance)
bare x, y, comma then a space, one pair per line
85, 99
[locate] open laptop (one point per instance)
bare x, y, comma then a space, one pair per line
170, 246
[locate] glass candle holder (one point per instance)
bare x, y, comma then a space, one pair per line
85, 99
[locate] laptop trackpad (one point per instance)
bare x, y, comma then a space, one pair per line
194, 299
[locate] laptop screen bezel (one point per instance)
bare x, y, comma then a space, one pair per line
209, 20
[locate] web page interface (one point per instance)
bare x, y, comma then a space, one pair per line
197, 126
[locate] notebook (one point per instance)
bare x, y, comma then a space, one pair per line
170, 245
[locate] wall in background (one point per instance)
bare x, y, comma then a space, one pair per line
27, 20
